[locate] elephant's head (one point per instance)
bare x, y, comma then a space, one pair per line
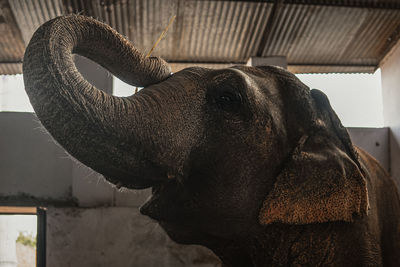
226, 152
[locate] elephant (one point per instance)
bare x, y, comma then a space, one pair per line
247, 161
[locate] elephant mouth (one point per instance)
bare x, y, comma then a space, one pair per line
150, 207
140, 179
138, 185
164, 207
156, 206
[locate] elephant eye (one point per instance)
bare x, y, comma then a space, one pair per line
229, 99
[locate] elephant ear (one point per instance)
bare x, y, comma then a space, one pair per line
322, 180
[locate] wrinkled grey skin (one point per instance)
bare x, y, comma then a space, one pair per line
246, 161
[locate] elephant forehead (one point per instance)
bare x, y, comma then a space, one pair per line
235, 77
256, 78
237, 74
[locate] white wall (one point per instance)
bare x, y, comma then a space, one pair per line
373, 140
391, 107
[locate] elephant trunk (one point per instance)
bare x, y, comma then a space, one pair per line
90, 124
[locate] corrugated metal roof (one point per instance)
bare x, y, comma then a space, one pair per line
331, 69
329, 35
10, 68
30, 14
215, 31
315, 35
11, 47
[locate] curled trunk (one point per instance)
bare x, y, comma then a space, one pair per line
90, 124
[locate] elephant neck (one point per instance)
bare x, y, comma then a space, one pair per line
258, 249
269, 248
287, 245
233, 255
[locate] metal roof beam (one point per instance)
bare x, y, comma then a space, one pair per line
338, 3
268, 28
11, 62
348, 3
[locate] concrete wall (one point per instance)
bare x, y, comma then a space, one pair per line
373, 140
390, 69
116, 237
94, 73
